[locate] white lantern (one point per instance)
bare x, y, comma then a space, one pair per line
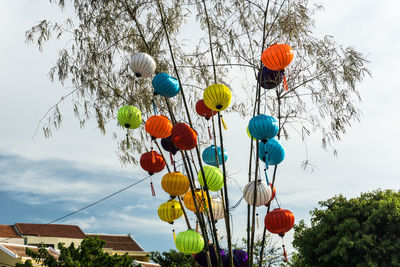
218, 208
143, 65
264, 193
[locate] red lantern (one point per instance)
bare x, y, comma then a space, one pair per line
277, 57
279, 221
203, 110
183, 137
273, 195
152, 162
158, 126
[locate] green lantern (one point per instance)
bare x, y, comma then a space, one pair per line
214, 178
189, 242
129, 117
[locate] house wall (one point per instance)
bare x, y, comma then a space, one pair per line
36, 240
6, 260
19, 241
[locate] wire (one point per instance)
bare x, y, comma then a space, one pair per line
85, 207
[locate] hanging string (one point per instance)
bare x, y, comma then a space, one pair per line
128, 146
171, 157
284, 250
223, 123
153, 192
258, 221
154, 106
173, 233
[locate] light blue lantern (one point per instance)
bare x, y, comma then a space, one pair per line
272, 152
210, 158
263, 127
165, 85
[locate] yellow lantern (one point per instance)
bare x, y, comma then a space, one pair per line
175, 183
201, 200
170, 211
217, 97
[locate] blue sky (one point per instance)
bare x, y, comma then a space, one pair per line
42, 179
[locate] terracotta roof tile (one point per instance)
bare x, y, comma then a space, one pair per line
20, 250
50, 230
8, 231
119, 242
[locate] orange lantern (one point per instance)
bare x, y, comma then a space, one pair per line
183, 137
277, 57
152, 162
175, 183
201, 200
158, 126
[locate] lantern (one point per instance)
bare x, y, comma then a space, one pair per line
277, 56
158, 126
167, 144
183, 137
279, 221
129, 117
248, 133
201, 258
240, 258
217, 97
263, 127
143, 65
210, 158
175, 183
269, 79
170, 211
201, 200
189, 242
203, 110
152, 162
263, 194
213, 176
272, 152
165, 85
218, 208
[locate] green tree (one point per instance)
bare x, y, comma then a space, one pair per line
88, 253
361, 231
172, 258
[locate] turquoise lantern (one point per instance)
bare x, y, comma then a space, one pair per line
272, 152
210, 158
165, 85
263, 127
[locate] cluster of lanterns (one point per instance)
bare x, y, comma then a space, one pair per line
180, 136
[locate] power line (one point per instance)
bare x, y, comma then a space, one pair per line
85, 207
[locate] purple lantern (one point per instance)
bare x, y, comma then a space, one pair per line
240, 258
167, 144
201, 257
269, 78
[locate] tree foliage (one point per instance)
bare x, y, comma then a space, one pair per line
102, 35
172, 258
362, 231
88, 253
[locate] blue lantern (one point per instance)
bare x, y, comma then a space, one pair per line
263, 127
165, 85
269, 78
272, 152
210, 158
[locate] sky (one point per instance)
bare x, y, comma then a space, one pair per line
43, 179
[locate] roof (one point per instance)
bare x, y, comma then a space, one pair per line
50, 230
16, 251
8, 231
119, 242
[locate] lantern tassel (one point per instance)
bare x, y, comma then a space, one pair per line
209, 132
153, 157
266, 176
173, 233
223, 123
153, 192
154, 107
284, 251
172, 161
258, 221
128, 146
285, 83
197, 226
